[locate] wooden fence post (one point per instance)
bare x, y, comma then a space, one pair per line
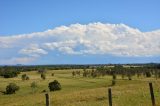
47, 99
110, 96
152, 94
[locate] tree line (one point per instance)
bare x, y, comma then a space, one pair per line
145, 71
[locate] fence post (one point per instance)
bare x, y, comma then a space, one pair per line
47, 99
110, 96
152, 94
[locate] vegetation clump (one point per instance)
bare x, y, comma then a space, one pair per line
41, 71
11, 88
25, 77
52, 74
9, 71
148, 74
73, 73
43, 76
54, 86
34, 86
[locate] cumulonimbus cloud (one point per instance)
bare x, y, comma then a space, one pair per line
93, 38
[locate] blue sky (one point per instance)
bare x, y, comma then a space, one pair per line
24, 18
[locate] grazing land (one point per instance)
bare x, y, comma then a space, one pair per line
79, 90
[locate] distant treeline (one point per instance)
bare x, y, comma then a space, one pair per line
124, 71
12, 71
22, 68
46, 67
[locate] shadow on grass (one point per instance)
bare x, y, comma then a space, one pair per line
3, 92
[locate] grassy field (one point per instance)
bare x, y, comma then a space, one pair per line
79, 91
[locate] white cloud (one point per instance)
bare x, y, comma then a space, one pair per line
68, 50
93, 38
32, 50
56, 45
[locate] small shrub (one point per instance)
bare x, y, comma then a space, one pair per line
73, 73
25, 77
44, 91
55, 85
34, 85
43, 76
114, 77
148, 74
11, 88
52, 74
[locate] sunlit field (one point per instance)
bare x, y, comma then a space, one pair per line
79, 91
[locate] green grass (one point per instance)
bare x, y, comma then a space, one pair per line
79, 91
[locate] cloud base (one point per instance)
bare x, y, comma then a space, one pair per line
77, 39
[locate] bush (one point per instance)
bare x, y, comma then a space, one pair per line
41, 71
9, 74
44, 91
114, 77
43, 76
34, 85
73, 73
148, 74
55, 85
12, 88
52, 74
25, 77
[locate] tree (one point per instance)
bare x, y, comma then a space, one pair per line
9, 74
55, 85
11, 88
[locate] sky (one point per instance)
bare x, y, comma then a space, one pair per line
79, 31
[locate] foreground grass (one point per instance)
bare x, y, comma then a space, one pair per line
80, 91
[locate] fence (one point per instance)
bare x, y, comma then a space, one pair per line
110, 96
